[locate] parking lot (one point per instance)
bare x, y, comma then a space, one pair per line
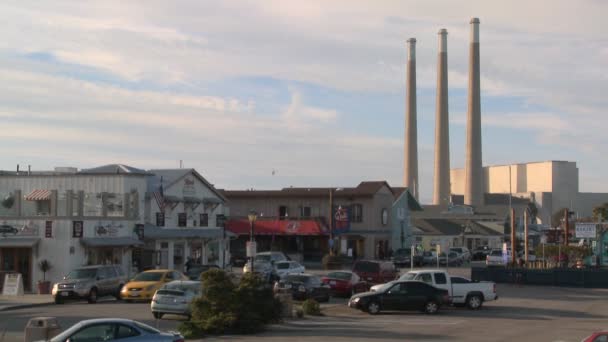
522, 313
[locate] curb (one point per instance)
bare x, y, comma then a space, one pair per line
24, 306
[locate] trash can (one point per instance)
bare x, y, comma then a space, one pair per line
41, 328
286, 303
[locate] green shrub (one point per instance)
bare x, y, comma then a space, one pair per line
311, 307
228, 308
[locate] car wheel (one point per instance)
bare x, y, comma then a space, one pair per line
157, 315
431, 307
474, 302
93, 296
373, 308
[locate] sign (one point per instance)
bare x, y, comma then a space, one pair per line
505, 253
189, 189
341, 221
13, 285
109, 229
585, 230
139, 230
252, 248
77, 229
220, 220
48, 229
160, 219
438, 249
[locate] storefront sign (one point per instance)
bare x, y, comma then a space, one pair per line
48, 229
77, 229
160, 219
251, 249
585, 230
108, 229
13, 285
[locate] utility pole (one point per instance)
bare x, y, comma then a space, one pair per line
513, 245
526, 235
331, 222
566, 226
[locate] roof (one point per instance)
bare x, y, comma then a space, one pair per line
369, 188
452, 227
277, 227
172, 176
412, 203
114, 169
493, 199
153, 232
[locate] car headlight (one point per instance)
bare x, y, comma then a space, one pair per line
356, 300
150, 288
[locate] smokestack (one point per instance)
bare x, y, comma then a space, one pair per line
473, 192
410, 176
441, 188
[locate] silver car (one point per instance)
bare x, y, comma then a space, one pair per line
175, 298
90, 283
114, 329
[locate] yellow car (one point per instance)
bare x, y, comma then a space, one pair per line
144, 285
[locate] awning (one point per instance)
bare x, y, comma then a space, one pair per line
39, 195
172, 199
211, 200
153, 232
190, 199
277, 227
18, 242
111, 242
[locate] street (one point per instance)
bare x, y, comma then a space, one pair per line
521, 314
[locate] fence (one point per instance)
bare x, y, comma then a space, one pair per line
590, 278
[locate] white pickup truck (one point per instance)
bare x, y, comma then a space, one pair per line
462, 291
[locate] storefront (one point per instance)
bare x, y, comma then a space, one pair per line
16, 256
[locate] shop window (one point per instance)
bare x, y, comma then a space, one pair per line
282, 212
114, 204
204, 220
356, 213
182, 220
75, 204
62, 204
93, 204
305, 211
43, 208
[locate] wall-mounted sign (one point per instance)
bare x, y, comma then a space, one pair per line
189, 189
220, 220
341, 220
160, 219
108, 229
48, 229
139, 230
77, 229
586, 230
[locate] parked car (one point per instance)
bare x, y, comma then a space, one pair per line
345, 283
495, 258
450, 259
461, 290
90, 282
429, 258
144, 285
463, 252
238, 260
600, 336
111, 329
194, 272
531, 255
402, 257
175, 298
304, 286
401, 295
375, 272
480, 253
270, 257
283, 268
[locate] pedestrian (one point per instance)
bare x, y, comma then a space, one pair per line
188, 264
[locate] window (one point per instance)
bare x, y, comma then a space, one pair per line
305, 212
169, 276
398, 289
123, 331
204, 220
160, 219
92, 204
425, 277
440, 278
356, 213
114, 204
182, 220
98, 332
601, 338
282, 212
459, 280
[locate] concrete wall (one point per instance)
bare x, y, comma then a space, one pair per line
586, 201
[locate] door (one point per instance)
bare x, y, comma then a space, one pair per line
395, 298
417, 295
18, 260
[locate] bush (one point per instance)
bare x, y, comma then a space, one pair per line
311, 307
228, 308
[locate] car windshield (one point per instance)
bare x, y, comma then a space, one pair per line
282, 265
369, 267
82, 273
339, 275
148, 276
147, 328
408, 276
297, 278
262, 258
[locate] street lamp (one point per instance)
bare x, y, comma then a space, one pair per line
252, 217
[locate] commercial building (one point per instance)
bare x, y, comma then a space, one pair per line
100, 216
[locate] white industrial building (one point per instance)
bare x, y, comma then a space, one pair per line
111, 214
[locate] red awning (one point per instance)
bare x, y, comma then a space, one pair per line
277, 227
39, 195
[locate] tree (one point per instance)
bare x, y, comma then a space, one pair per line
600, 212
557, 217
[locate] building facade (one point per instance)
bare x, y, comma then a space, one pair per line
94, 216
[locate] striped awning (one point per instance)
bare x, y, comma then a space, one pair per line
39, 195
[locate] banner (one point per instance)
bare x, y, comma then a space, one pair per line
341, 220
585, 230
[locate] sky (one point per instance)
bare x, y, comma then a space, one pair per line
275, 93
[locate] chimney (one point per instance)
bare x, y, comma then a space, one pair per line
441, 188
410, 176
473, 191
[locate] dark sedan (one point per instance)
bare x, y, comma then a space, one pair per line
401, 295
304, 286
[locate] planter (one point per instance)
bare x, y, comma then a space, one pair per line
44, 287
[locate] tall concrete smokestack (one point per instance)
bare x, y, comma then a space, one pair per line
473, 192
441, 184
410, 176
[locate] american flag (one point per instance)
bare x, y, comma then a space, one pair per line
160, 200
